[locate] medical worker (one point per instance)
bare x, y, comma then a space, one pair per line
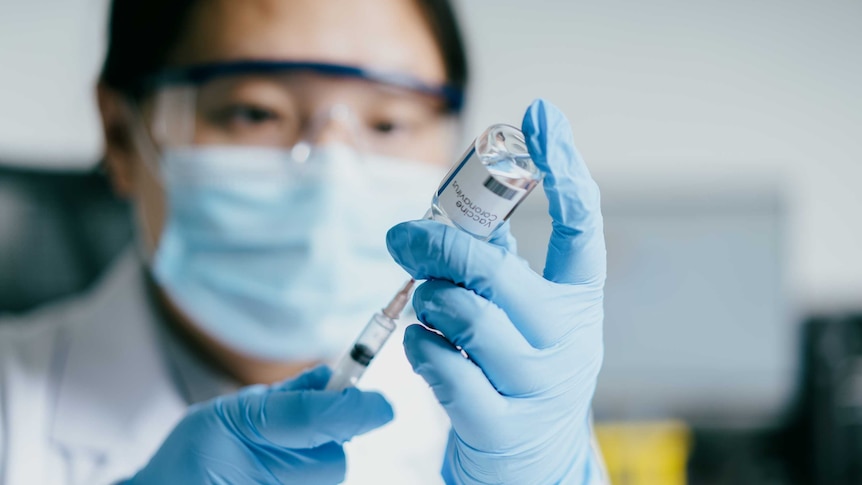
269, 147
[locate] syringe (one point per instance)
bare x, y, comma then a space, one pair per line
352, 365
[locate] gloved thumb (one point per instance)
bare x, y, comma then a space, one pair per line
312, 379
307, 419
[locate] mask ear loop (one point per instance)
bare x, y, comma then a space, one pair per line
176, 104
145, 238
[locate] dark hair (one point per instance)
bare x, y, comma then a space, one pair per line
142, 34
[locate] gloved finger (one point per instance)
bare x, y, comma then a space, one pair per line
306, 419
430, 250
484, 332
325, 464
462, 389
576, 251
312, 379
503, 237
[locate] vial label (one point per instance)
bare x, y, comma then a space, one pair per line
475, 200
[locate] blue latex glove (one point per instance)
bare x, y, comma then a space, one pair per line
288, 433
520, 404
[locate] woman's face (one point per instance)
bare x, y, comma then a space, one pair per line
390, 35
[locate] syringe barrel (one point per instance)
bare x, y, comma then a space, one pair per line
376, 333
352, 365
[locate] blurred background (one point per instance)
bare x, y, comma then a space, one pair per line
727, 140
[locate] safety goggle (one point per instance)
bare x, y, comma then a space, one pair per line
286, 104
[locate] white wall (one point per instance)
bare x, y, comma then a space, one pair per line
665, 89
50, 51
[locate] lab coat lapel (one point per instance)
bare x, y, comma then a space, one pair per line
116, 399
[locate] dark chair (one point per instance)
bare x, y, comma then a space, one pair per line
58, 233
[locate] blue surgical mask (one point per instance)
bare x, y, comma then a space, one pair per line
280, 259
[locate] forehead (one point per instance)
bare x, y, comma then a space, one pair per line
385, 34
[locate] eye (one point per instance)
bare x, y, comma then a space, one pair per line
247, 115
390, 126
385, 127
243, 116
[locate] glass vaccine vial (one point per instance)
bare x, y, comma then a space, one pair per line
484, 188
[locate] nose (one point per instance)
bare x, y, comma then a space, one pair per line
335, 125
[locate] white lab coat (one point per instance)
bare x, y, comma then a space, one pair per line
86, 396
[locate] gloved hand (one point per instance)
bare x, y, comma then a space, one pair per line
288, 433
520, 404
